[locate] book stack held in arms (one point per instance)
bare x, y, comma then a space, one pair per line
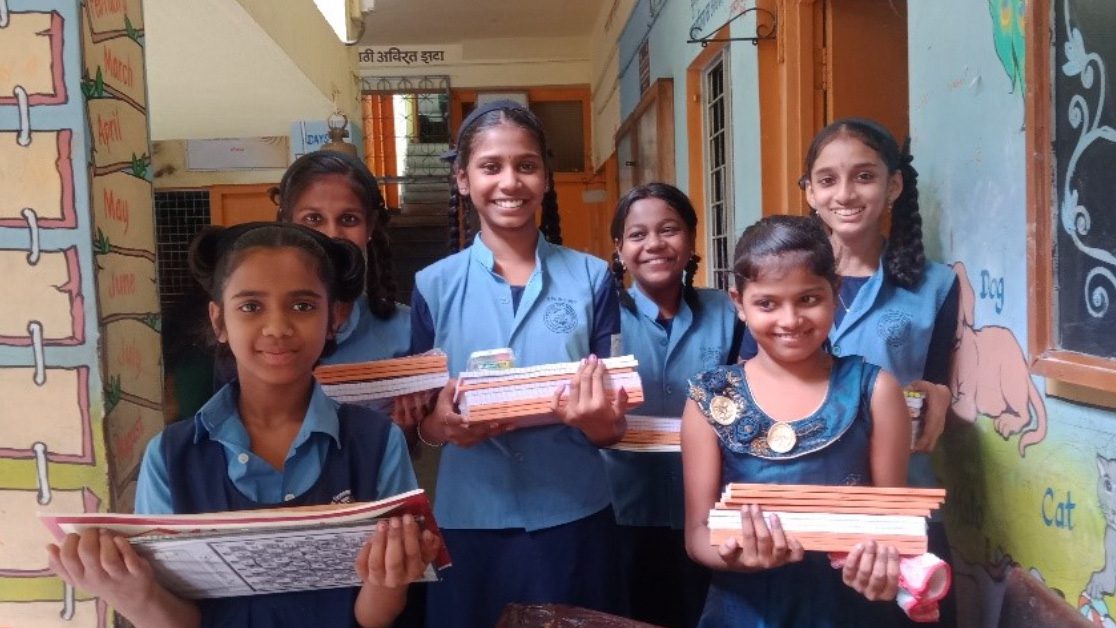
523, 395
651, 434
362, 382
254, 552
835, 518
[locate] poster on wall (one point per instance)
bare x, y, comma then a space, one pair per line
245, 153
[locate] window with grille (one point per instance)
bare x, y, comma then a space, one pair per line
718, 176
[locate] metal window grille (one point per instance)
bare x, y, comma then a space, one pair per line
718, 173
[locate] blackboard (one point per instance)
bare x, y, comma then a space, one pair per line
1084, 221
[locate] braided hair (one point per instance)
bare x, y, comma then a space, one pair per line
904, 258
461, 214
380, 286
680, 203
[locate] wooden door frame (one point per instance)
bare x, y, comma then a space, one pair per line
695, 128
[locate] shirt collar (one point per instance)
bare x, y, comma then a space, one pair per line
212, 419
648, 308
481, 253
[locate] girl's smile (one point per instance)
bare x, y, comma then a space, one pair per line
850, 187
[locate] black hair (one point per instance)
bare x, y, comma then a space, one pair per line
678, 201
904, 259
380, 280
461, 213
217, 251
783, 241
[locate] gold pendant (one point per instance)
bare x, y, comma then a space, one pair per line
781, 438
723, 410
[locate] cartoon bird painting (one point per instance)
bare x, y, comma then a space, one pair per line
1007, 35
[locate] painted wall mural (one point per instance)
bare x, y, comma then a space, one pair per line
77, 257
991, 377
1031, 475
1008, 38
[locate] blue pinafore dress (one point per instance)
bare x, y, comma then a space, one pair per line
831, 447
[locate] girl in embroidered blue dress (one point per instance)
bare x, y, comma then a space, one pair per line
270, 438
794, 414
525, 513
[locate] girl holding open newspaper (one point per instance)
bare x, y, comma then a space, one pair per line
270, 438
525, 513
675, 331
793, 414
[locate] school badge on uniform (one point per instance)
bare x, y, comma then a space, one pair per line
781, 438
723, 410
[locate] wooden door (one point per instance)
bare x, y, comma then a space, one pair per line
865, 62
234, 204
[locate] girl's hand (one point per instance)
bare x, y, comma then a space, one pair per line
937, 400
759, 546
873, 571
587, 405
397, 553
106, 565
408, 410
445, 425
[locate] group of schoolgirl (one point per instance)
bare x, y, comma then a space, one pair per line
544, 514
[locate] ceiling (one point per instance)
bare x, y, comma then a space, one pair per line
450, 21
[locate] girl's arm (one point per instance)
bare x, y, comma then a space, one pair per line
890, 448
395, 556
872, 569
759, 546
936, 372
107, 566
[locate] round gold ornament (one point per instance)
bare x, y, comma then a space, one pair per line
781, 438
723, 410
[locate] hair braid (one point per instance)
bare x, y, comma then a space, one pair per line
688, 291
453, 216
381, 272
550, 223
618, 271
905, 257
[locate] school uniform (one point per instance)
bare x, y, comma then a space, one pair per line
342, 453
364, 337
526, 514
664, 586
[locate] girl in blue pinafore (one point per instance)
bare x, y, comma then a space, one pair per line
794, 414
675, 331
270, 438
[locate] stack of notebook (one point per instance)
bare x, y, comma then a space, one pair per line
523, 395
651, 434
383, 379
833, 518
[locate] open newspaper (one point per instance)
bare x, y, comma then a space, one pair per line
253, 552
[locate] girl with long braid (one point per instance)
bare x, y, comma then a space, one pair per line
894, 307
675, 331
526, 513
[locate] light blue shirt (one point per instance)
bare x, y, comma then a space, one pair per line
892, 326
532, 478
647, 487
219, 420
364, 337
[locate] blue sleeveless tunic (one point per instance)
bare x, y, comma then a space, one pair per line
832, 447
199, 484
